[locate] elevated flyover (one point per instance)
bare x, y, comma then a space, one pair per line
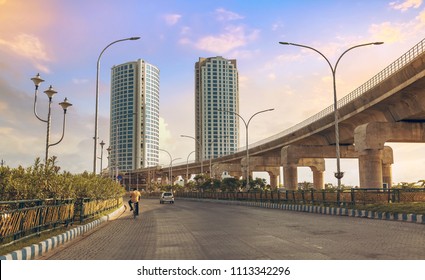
390, 107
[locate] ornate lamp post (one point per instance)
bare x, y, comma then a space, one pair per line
338, 173
50, 92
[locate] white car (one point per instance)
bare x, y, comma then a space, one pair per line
166, 197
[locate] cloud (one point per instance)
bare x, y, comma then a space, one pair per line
387, 32
224, 15
80, 81
185, 30
404, 6
277, 26
3, 106
172, 19
271, 76
421, 18
30, 47
232, 38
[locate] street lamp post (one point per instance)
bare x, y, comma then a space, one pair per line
201, 148
50, 92
187, 166
109, 149
97, 99
209, 148
246, 140
171, 164
338, 174
171, 170
101, 155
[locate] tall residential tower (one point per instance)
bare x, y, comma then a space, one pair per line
134, 116
216, 96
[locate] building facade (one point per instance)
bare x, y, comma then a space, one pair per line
134, 116
216, 101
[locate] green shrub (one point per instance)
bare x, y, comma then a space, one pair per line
42, 181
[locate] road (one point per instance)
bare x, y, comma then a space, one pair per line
211, 231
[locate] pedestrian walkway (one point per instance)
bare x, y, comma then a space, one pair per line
37, 250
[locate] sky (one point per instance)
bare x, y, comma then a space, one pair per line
62, 41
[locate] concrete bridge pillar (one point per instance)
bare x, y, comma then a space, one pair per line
273, 172
387, 161
370, 168
387, 175
290, 176
318, 181
269, 164
273, 180
317, 166
369, 141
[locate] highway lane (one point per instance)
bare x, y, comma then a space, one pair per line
203, 230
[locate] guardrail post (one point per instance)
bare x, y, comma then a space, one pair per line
312, 196
80, 203
338, 197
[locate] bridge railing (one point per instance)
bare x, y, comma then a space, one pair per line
25, 218
406, 58
350, 197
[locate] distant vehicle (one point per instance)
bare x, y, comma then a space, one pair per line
225, 174
166, 197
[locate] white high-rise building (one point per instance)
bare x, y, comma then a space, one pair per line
216, 95
134, 115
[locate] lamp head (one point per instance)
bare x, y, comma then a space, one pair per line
285, 43
378, 43
134, 38
65, 104
50, 92
37, 80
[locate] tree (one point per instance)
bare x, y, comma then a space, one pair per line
230, 185
257, 184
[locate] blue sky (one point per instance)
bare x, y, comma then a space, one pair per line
62, 40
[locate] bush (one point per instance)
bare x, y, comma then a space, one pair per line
42, 181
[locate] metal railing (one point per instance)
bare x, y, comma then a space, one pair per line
346, 198
26, 218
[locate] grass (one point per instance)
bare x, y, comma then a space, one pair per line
408, 208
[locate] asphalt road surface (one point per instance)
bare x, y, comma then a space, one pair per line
212, 231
